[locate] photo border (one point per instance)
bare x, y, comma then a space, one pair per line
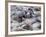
6, 17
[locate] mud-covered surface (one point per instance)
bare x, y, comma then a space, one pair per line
25, 18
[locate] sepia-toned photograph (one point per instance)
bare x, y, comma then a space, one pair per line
25, 17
